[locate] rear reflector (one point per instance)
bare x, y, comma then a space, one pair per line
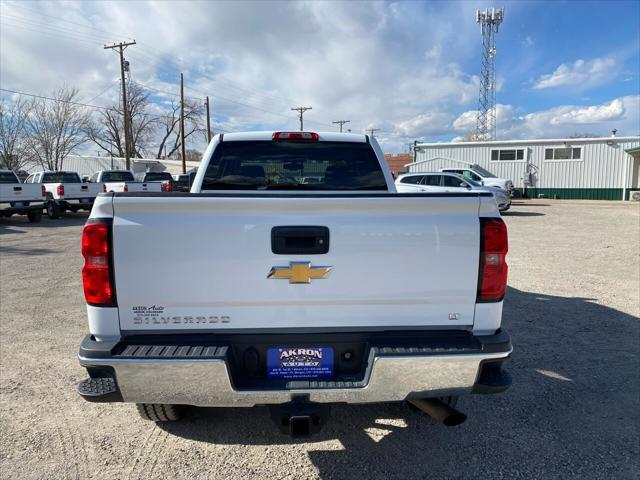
96, 273
492, 277
60, 190
299, 136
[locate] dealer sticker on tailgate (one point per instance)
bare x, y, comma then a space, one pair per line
300, 362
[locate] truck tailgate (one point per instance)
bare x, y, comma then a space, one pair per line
73, 191
20, 192
202, 262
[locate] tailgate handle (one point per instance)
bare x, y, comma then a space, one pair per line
84, 187
302, 240
17, 189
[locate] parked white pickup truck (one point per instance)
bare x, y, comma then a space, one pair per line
123, 181
479, 174
294, 295
65, 191
20, 199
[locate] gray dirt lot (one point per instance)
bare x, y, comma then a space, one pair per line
572, 309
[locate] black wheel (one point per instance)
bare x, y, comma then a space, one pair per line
53, 210
34, 216
157, 412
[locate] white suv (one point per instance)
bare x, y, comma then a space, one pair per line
449, 182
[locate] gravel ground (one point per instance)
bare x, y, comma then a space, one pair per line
572, 309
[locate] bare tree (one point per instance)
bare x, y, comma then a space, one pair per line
56, 128
193, 155
170, 128
13, 134
108, 131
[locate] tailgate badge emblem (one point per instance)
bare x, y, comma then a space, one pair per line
299, 272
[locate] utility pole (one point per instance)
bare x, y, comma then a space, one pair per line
183, 153
121, 48
341, 123
372, 130
208, 121
301, 111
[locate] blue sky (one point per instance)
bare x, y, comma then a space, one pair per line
539, 36
408, 68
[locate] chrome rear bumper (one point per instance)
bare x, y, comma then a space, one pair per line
389, 377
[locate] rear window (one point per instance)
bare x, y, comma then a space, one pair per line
8, 177
156, 176
269, 165
415, 179
117, 177
61, 177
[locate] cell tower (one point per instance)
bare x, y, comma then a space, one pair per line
489, 20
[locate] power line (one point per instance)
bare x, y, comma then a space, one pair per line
341, 123
301, 111
80, 36
372, 131
121, 47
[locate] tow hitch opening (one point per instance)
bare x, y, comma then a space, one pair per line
300, 418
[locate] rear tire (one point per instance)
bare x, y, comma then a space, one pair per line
158, 412
34, 216
53, 210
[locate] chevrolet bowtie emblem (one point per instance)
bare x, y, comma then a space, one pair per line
299, 272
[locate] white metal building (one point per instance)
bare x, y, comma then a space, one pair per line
87, 165
576, 168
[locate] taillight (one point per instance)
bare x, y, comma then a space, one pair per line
492, 278
96, 273
166, 187
300, 136
126, 188
104, 188
60, 190
43, 190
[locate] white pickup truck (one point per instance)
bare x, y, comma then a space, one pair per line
65, 191
481, 175
294, 295
123, 181
20, 199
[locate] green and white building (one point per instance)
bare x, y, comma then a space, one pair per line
606, 168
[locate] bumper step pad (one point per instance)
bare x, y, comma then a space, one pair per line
104, 389
172, 351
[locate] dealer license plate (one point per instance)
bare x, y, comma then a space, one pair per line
300, 362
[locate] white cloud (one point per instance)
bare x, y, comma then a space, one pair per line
621, 113
466, 122
584, 73
365, 62
426, 124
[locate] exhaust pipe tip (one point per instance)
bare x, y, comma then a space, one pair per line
454, 420
440, 411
